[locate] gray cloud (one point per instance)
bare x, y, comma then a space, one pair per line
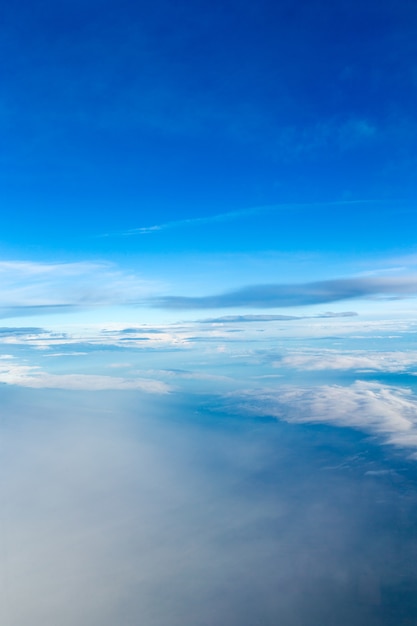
300, 294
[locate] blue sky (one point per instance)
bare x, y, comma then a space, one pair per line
272, 144
208, 264
120, 117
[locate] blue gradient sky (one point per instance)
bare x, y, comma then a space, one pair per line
297, 120
208, 186
202, 147
208, 354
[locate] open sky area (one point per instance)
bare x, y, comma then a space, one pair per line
208, 330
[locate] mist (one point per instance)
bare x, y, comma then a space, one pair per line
118, 508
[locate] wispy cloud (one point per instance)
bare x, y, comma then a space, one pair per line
297, 294
210, 219
230, 216
31, 288
23, 330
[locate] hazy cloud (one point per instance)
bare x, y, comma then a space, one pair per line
30, 288
120, 512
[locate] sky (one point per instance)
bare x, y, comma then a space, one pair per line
208, 349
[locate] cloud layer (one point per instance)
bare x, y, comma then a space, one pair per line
132, 513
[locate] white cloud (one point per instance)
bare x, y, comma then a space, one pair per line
387, 411
218, 217
34, 377
352, 360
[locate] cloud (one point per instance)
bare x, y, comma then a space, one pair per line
6, 331
40, 309
194, 221
353, 360
225, 319
31, 288
297, 294
230, 216
387, 411
33, 377
141, 329
94, 338
154, 517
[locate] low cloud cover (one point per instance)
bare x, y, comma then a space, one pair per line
118, 509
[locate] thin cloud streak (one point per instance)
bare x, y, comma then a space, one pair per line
230, 216
301, 294
211, 219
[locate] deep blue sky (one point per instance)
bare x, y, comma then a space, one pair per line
122, 115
